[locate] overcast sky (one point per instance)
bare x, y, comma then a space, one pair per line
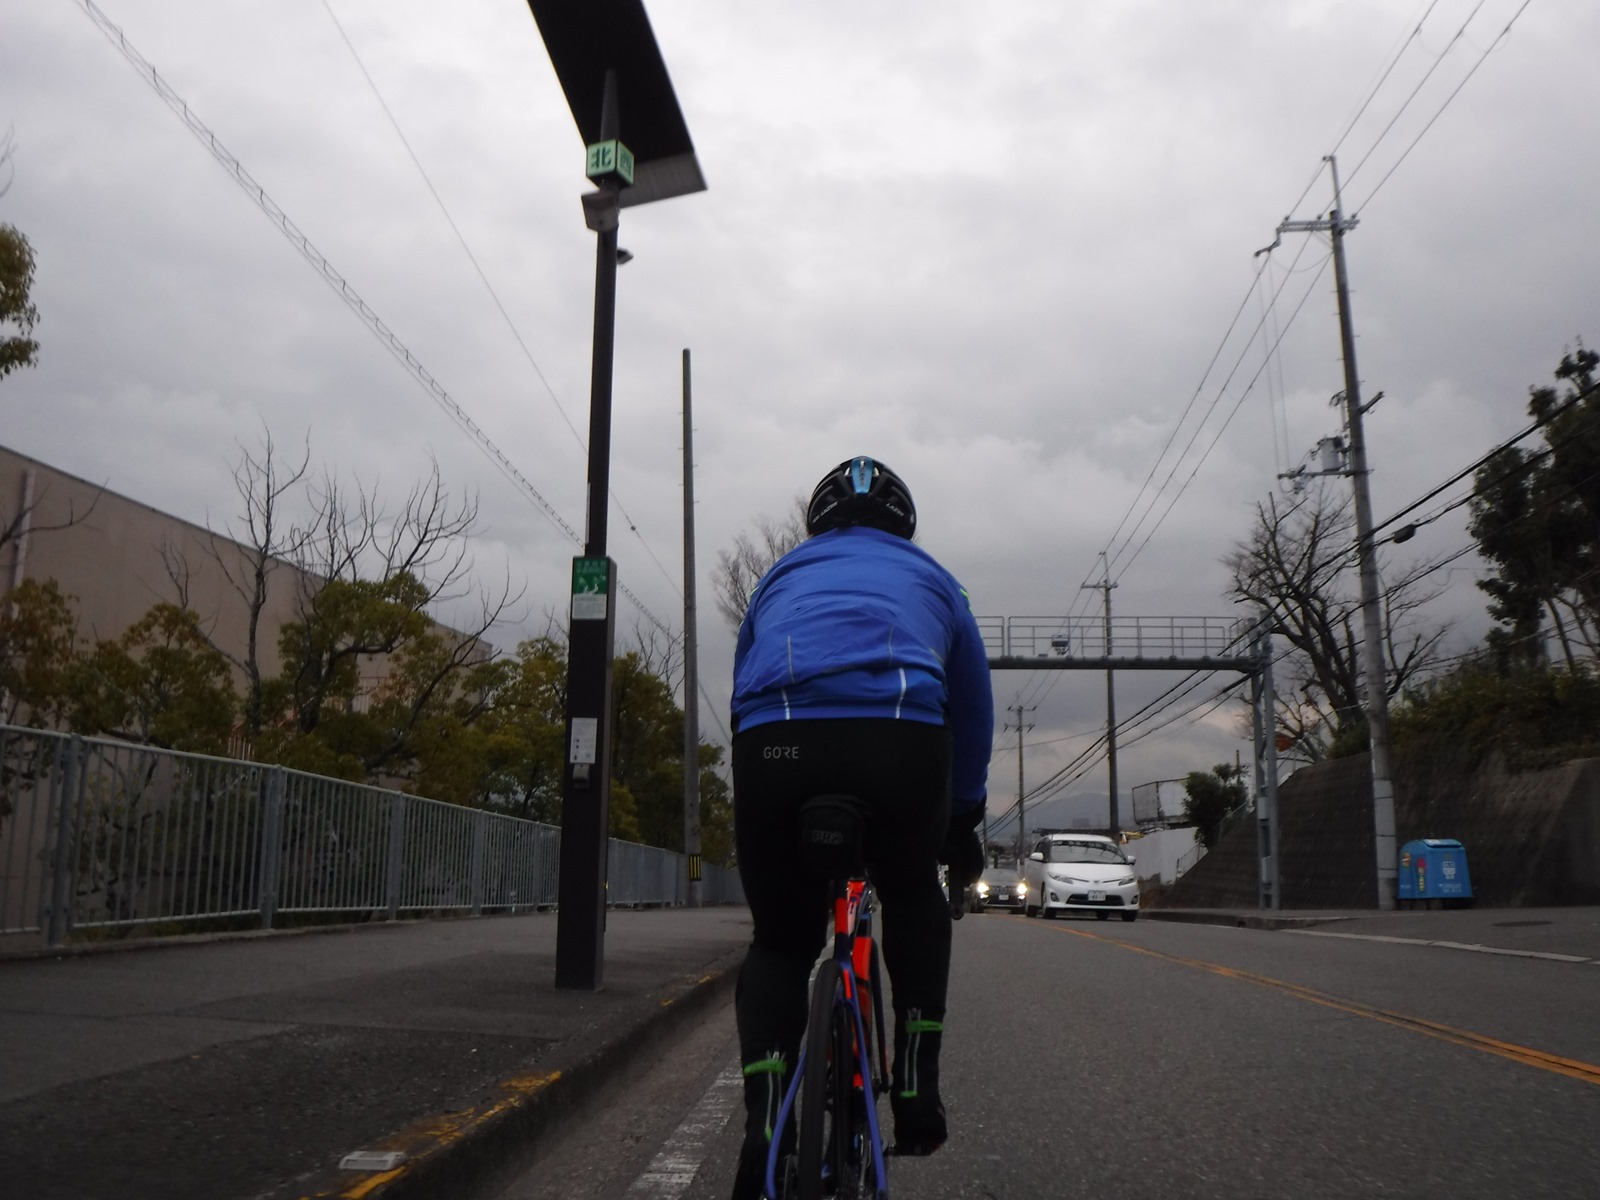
998, 246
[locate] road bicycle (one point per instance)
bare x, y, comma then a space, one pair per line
844, 1061
843, 1067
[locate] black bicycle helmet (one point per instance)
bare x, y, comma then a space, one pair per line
862, 491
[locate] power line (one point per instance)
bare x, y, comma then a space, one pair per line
1117, 557
1249, 387
484, 278
1448, 99
1336, 561
1085, 761
1372, 94
1427, 75
1040, 689
345, 291
1048, 788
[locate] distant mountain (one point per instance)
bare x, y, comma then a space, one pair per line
1082, 810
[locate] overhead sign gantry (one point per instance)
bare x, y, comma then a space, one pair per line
1092, 643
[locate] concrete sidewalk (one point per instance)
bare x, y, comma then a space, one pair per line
1559, 933
234, 1068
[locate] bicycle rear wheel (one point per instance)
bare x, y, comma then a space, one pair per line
849, 1156
818, 1087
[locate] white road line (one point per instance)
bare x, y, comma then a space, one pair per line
673, 1169
1473, 946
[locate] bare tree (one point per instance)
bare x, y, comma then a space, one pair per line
741, 568
354, 536
251, 555
369, 579
1299, 565
660, 652
17, 526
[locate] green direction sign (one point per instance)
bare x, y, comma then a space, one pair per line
590, 588
610, 160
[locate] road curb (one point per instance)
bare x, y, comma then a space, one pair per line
476, 1153
178, 941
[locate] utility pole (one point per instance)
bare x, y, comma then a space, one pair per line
691, 669
1105, 585
1374, 668
1264, 726
1022, 834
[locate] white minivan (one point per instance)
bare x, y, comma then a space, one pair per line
1080, 872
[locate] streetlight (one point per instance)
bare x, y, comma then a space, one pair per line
637, 149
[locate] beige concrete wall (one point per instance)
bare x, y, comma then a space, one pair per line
110, 559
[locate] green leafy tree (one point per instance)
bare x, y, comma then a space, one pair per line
371, 686
525, 729
647, 751
1534, 715
17, 312
1536, 519
38, 651
160, 683
716, 808
1209, 796
345, 622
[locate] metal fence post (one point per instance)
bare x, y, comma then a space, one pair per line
270, 858
480, 835
66, 826
397, 834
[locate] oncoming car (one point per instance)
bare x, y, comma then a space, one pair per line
1000, 887
1080, 872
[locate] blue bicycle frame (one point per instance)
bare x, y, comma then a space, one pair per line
852, 923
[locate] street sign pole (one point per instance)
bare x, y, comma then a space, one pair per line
586, 790
603, 50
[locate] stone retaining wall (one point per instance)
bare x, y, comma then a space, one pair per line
1532, 838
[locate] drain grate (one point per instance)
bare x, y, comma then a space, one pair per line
1519, 924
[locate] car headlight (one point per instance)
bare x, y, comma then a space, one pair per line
1061, 877
983, 888
1124, 882
1022, 888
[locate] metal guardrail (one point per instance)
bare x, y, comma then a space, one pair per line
1188, 859
96, 833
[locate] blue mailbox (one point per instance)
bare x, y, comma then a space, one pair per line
1434, 869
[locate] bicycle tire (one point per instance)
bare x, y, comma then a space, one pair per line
848, 1152
815, 1094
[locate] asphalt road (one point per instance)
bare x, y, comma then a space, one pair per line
1176, 1060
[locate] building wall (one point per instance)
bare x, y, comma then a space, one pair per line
109, 559
1157, 852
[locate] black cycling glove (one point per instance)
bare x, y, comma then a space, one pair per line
962, 851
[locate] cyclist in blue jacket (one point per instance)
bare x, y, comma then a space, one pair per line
859, 669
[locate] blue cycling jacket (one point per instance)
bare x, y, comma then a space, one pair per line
856, 622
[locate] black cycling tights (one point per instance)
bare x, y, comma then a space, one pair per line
900, 771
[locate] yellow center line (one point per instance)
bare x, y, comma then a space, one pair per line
1570, 1067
